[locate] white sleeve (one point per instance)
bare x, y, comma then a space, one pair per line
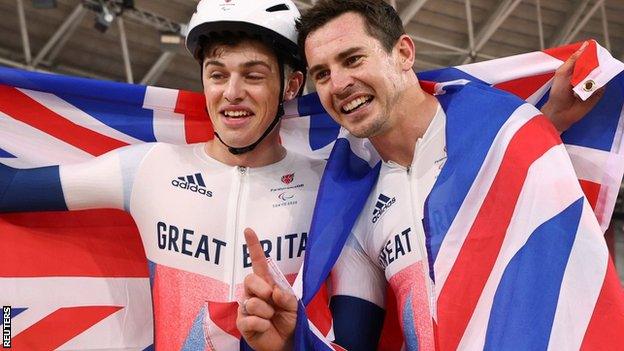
356, 275
105, 181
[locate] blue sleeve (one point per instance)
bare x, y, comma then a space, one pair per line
357, 322
36, 189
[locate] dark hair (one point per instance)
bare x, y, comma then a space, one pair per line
381, 20
213, 44
208, 45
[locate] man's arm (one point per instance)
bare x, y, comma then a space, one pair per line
103, 182
358, 289
37, 189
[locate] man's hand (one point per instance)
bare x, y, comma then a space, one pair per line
563, 108
268, 314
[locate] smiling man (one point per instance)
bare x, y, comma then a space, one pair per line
192, 202
466, 175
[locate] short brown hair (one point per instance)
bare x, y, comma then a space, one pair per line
210, 46
381, 20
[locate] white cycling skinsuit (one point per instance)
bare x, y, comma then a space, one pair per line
387, 243
191, 211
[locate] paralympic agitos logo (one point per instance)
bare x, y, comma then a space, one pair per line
226, 5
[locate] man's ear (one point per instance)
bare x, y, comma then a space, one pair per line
295, 80
405, 50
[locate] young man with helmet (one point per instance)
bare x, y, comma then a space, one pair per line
361, 60
191, 203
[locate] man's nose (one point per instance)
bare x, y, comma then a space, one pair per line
234, 90
341, 82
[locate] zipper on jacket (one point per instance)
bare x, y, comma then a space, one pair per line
241, 177
421, 241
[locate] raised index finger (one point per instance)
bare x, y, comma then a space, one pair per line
256, 253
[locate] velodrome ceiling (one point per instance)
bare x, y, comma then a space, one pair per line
447, 32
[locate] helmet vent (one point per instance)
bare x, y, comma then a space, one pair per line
276, 8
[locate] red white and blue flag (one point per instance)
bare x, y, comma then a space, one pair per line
79, 280
514, 248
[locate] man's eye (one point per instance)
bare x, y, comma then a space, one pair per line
319, 76
352, 60
216, 76
255, 77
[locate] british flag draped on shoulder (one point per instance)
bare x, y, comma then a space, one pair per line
514, 250
101, 281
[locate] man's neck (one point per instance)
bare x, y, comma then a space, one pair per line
269, 151
412, 116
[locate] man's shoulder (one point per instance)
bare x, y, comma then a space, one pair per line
302, 161
477, 93
168, 147
480, 111
157, 155
161, 148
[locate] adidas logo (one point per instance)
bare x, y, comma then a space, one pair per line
194, 183
383, 203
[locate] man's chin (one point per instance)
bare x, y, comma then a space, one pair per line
234, 142
242, 138
361, 132
239, 145
359, 135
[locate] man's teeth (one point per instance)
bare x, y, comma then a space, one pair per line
236, 113
356, 103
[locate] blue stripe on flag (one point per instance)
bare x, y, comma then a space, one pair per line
112, 92
6, 154
37, 189
344, 188
597, 129
196, 338
305, 339
543, 100
309, 104
131, 119
15, 311
526, 298
118, 105
302, 332
448, 74
470, 132
323, 131
151, 266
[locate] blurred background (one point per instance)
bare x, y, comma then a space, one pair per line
142, 41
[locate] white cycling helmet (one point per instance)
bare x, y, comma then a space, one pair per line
272, 20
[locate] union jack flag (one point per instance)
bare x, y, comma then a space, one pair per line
75, 291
